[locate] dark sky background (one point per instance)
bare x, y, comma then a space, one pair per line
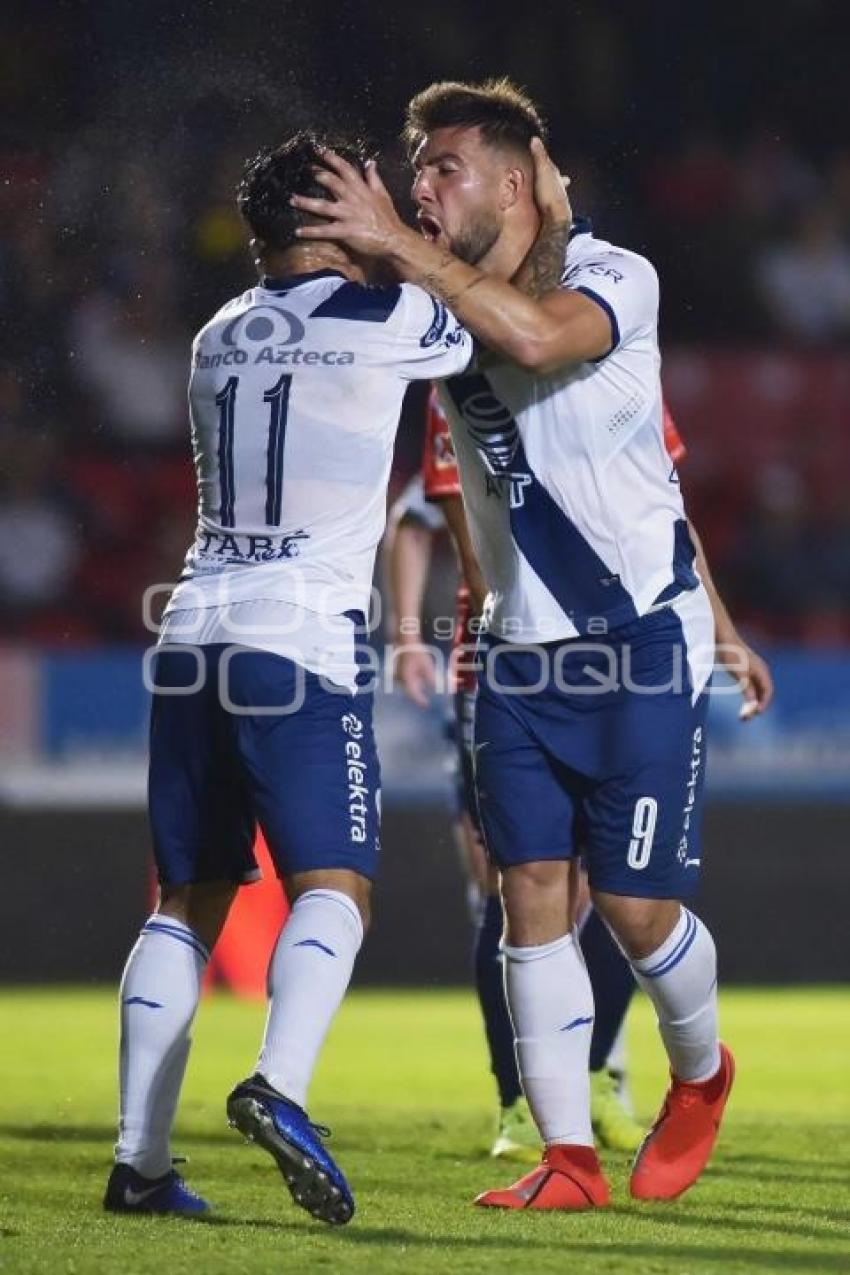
622, 79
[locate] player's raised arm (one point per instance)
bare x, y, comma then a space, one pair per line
541, 334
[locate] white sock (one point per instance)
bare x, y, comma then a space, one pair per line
159, 996
551, 1004
616, 1060
617, 1064
308, 976
680, 978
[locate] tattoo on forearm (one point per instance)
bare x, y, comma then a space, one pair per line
433, 281
543, 266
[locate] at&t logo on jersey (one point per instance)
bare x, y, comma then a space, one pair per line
494, 429
495, 433
356, 764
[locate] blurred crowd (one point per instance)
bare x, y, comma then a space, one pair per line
119, 236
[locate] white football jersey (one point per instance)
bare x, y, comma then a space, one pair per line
295, 394
574, 508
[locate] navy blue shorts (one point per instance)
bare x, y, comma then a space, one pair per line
222, 763
589, 764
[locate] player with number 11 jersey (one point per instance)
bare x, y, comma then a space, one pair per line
259, 713
295, 394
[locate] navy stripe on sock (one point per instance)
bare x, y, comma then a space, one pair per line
183, 936
678, 952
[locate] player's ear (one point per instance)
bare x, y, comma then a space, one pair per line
514, 182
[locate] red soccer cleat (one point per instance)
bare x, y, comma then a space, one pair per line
677, 1148
569, 1178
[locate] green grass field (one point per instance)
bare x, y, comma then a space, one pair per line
403, 1084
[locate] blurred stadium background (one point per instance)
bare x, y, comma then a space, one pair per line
712, 137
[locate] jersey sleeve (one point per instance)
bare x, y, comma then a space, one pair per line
676, 449
440, 478
412, 505
431, 342
624, 285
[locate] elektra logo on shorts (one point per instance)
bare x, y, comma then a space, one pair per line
356, 765
690, 799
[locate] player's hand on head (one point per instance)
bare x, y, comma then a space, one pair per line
360, 214
416, 674
550, 186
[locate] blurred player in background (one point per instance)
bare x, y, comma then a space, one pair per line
260, 710
431, 503
591, 714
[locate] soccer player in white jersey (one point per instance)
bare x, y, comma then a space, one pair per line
590, 725
261, 712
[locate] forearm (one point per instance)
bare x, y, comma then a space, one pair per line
496, 312
725, 630
541, 332
459, 531
409, 559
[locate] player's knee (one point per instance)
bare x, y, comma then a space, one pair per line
354, 886
202, 906
364, 907
639, 925
536, 901
541, 876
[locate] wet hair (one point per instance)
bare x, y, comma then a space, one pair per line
272, 177
503, 112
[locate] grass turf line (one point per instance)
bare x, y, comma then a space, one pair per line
403, 1083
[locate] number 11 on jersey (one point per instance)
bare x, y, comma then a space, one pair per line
278, 399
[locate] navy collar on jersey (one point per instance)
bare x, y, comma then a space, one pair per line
285, 282
581, 226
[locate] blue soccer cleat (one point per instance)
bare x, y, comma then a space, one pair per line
128, 1192
283, 1129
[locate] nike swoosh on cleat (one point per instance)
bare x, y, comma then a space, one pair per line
140, 1000
133, 1198
528, 1193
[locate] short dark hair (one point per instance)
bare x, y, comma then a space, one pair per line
272, 177
503, 112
